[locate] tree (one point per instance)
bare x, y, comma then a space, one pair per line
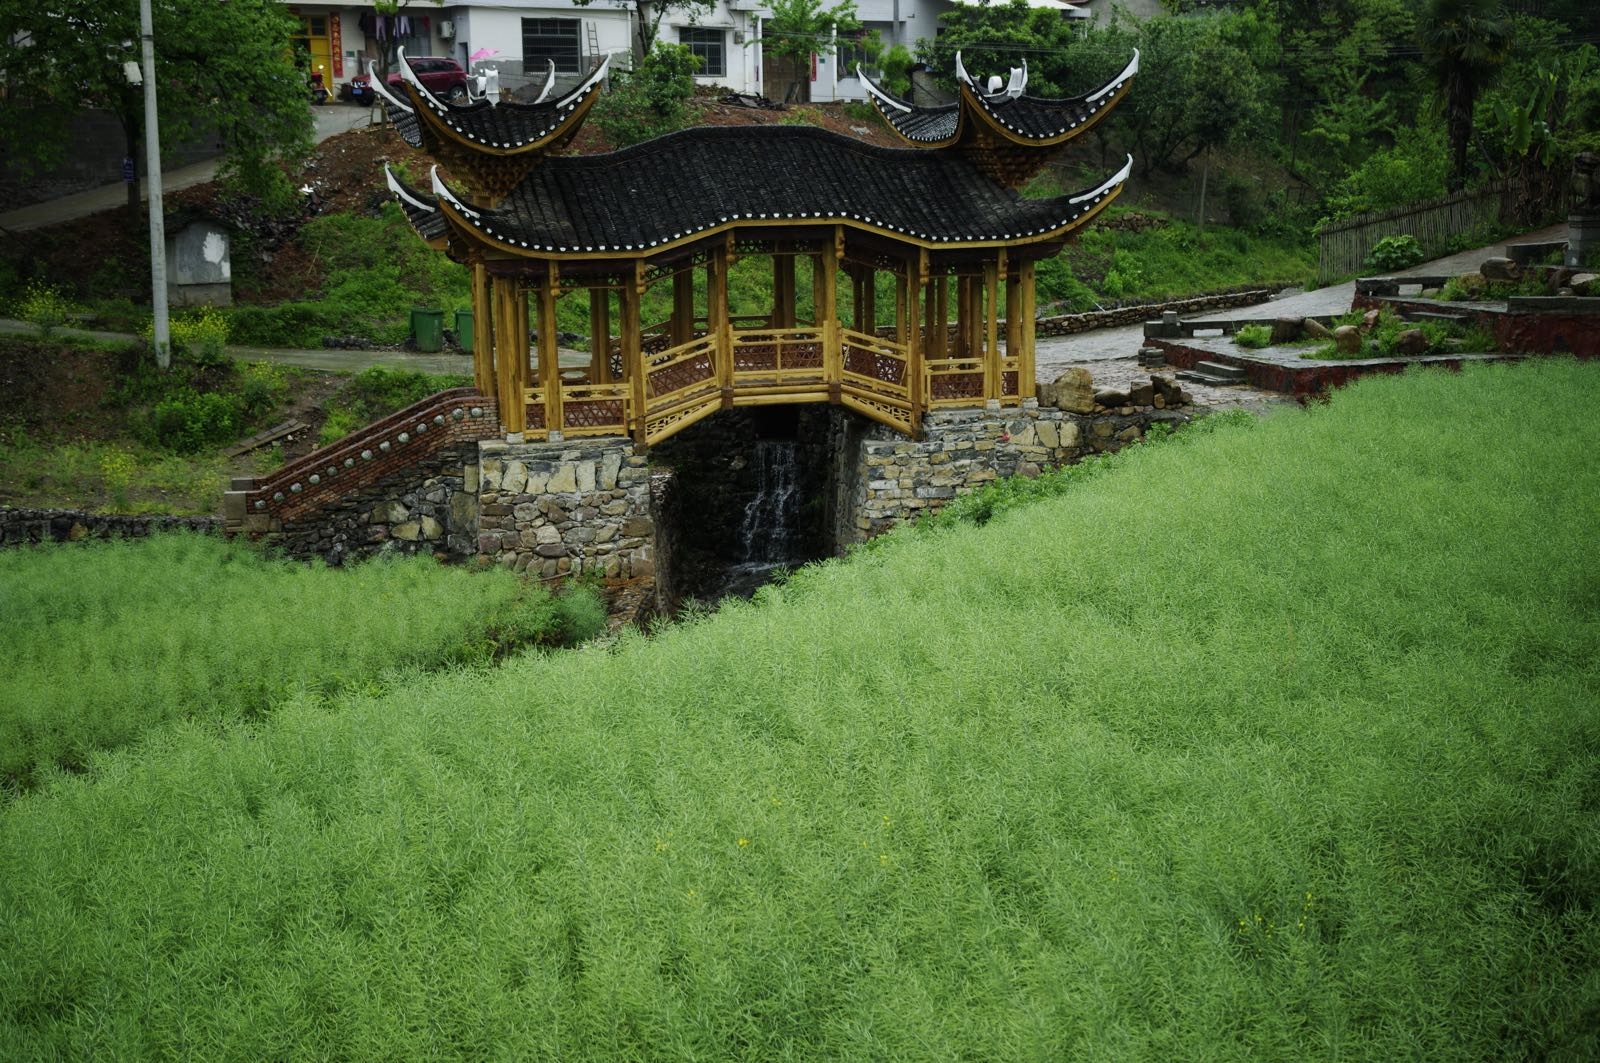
800, 29
648, 15
1464, 44
220, 66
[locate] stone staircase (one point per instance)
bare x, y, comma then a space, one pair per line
359, 460
1215, 374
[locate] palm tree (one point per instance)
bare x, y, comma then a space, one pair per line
1464, 43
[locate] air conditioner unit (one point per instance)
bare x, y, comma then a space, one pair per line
447, 29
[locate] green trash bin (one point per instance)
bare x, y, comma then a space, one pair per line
464, 330
427, 328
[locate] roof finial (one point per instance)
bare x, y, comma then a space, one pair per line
961, 72
444, 193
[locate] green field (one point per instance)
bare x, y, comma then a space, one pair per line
1278, 743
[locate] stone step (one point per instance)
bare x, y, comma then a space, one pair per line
1233, 374
1442, 316
1197, 377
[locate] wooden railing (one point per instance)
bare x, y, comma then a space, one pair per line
778, 356
954, 381
873, 364
681, 372
596, 409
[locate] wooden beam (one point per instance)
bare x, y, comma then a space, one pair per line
483, 331
599, 335
991, 326
632, 351
782, 290
914, 340
719, 323
549, 354
1027, 384
683, 305
825, 306
510, 352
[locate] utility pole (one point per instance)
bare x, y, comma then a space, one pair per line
158, 226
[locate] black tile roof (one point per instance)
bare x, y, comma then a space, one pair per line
697, 179
510, 125
405, 123
422, 209
1028, 118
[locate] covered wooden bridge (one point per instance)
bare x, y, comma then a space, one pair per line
937, 229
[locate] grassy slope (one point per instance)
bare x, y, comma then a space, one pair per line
1281, 744
102, 642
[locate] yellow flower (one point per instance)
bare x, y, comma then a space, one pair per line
743, 842
661, 846
883, 858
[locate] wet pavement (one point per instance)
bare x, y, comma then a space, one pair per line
1110, 355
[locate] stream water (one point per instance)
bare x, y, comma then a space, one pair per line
770, 528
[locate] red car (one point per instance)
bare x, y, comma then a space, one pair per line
443, 77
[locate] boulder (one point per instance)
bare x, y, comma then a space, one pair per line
1500, 269
1073, 391
1316, 329
1141, 394
1369, 321
1411, 342
1166, 387
1111, 397
1348, 339
1286, 330
1585, 284
1472, 284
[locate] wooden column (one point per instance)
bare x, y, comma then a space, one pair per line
632, 351
869, 301
599, 335
817, 281
963, 318
483, 328
1026, 384
856, 288
549, 356
901, 282
939, 346
825, 308
718, 323
915, 380
683, 305
782, 290
989, 296
510, 354
1013, 316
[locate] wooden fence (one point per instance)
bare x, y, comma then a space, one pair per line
1343, 246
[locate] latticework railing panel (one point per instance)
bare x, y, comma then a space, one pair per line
954, 381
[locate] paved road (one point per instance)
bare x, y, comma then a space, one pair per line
331, 119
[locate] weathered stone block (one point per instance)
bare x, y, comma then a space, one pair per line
585, 476
514, 479
1348, 339
388, 512
563, 480
610, 466
409, 531
432, 530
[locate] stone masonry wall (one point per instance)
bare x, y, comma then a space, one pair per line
22, 527
960, 450
429, 505
567, 508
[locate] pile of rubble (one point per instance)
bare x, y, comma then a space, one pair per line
1074, 392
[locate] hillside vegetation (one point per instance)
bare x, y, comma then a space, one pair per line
1278, 743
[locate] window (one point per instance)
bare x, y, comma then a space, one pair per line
709, 46
546, 39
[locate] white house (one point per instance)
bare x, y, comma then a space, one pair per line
521, 37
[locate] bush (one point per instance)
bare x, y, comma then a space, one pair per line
200, 335
1395, 252
651, 101
1253, 337
189, 421
45, 308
